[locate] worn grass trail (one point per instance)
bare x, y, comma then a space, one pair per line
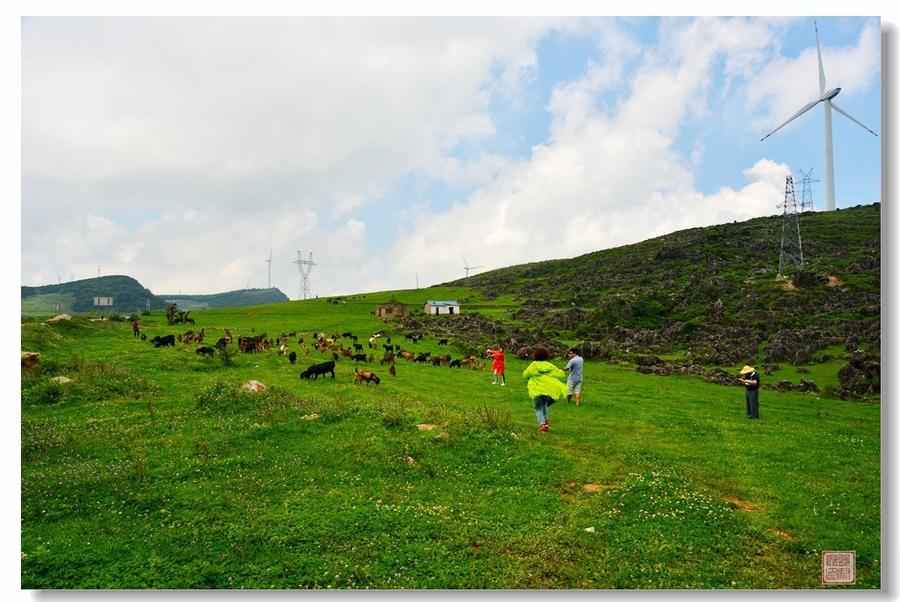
151, 470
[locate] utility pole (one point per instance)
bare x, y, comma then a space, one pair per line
305, 267
269, 260
791, 243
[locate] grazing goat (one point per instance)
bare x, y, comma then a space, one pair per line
316, 369
166, 341
221, 343
387, 359
252, 344
392, 370
422, 357
359, 357
292, 357
205, 351
357, 347
407, 355
442, 342
366, 376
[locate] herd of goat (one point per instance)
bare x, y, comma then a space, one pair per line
324, 343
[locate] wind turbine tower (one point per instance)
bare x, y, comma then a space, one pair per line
467, 266
269, 261
825, 97
305, 267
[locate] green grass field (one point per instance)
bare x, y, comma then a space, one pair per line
151, 470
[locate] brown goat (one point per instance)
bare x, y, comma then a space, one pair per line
366, 376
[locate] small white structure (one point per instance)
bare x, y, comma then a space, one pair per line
441, 308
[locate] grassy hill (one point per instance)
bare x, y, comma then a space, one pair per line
130, 297
151, 469
238, 298
78, 296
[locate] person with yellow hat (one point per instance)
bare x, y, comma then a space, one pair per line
750, 379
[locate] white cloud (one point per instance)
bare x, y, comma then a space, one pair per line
181, 151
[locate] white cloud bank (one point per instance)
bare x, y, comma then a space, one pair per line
179, 151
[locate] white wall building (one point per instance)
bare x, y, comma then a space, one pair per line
441, 308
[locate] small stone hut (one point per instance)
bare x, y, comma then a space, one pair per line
392, 310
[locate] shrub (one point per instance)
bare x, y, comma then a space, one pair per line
492, 418
226, 355
220, 394
43, 391
103, 380
394, 414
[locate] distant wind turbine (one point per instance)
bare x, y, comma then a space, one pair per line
825, 97
469, 267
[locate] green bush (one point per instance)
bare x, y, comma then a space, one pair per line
43, 391
394, 413
221, 394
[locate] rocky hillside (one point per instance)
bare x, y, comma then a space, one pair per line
709, 294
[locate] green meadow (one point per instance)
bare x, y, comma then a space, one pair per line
152, 469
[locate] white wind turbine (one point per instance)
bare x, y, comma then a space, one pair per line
825, 97
469, 267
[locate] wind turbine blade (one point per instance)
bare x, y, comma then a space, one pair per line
795, 116
465, 263
819, 54
845, 114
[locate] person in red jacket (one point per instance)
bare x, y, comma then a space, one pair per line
498, 366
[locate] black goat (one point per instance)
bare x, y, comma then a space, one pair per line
317, 369
166, 341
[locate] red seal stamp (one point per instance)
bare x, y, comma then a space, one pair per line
838, 568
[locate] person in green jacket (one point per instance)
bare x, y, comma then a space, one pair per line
544, 385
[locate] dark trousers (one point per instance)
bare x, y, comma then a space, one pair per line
752, 403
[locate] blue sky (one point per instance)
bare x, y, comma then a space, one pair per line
390, 147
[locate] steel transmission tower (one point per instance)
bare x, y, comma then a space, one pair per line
305, 268
791, 243
806, 202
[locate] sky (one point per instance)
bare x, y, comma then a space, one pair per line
180, 151
397, 150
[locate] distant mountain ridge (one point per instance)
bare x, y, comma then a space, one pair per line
238, 298
78, 296
129, 296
